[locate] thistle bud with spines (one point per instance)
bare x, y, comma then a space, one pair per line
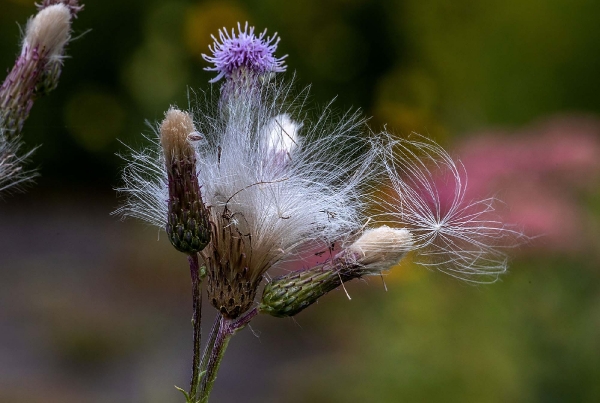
376, 250
188, 226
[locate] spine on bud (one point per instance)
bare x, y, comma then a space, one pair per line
188, 226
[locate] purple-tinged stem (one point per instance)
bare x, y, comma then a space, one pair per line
209, 345
225, 328
18, 91
196, 321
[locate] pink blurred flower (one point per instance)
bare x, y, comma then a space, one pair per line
540, 172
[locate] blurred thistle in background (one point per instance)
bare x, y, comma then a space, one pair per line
35, 73
246, 190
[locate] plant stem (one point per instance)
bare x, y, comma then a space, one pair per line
209, 345
196, 321
225, 328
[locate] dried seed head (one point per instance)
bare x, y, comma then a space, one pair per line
188, 226
49, 31
231, 285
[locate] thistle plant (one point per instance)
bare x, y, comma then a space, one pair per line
246, 185
35, 73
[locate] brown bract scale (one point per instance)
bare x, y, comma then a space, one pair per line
232, 285
188, 226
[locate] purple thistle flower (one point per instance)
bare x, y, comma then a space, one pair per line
245, 49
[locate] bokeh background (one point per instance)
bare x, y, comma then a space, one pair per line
93, 309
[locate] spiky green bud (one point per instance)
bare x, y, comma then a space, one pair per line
376, 250
289, 294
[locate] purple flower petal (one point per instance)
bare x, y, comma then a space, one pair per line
231, 51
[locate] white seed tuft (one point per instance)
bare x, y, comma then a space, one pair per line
281, 134
380, 248
461, 237
279, 212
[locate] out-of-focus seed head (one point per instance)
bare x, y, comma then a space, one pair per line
73, 5
49, 31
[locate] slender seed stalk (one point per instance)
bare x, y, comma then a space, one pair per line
209, 345
226, 328
196, 321
218, 351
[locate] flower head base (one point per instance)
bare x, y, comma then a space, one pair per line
244, 51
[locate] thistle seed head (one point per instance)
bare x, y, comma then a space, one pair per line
231, 284
461, 237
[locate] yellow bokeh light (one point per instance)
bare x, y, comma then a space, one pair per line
404, 272
94, 118
204, 20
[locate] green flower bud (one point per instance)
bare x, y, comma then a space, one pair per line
376, 250
288, 295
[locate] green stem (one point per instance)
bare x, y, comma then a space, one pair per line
196, 321
225, 329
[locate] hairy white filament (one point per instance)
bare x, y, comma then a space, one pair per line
461, 237
281, 212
